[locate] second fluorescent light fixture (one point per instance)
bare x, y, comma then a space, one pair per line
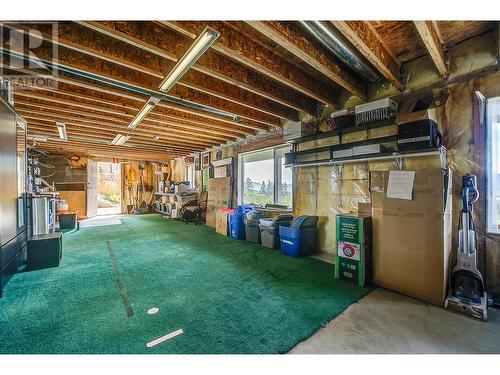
61, 129
120, 139
152, 102
199, 46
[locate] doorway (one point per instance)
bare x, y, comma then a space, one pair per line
109, 200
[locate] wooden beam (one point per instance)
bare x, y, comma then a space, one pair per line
431, 37
247, 122
211, 63
104, 138
290, 38
162, 126
53, 116
248, 52
193, 79
103, 106
252, 119
86, 148
129, 39
367, 42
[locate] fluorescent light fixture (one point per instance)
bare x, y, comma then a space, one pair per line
120, 139
199, 46
61, 129
152, 102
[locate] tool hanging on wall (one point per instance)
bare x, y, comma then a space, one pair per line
466, 293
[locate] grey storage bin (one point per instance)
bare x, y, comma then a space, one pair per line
269, 230
252, 230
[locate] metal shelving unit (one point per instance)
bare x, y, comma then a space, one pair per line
399, 156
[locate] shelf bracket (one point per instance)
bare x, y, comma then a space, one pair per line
400, 162
442, 158
337, 168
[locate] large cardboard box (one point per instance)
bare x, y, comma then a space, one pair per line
412, 238
219, 196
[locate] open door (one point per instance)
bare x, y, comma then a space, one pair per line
91, 188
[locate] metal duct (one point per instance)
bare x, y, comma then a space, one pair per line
335, 43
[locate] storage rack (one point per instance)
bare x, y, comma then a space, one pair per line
398, 156
159, 193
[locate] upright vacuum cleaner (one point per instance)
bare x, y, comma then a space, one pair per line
466, 291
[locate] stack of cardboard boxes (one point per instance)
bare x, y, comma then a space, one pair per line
219, 196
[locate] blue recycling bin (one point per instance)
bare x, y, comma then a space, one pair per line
236, 227
299, 239
237, 222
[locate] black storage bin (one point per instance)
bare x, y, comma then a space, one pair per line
67, 221
44, 251
252, 230
269, 230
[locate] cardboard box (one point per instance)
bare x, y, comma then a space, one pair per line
354, 256
221, 226
435, 111
299, 129
219, 196
412, 238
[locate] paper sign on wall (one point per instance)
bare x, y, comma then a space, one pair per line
400, 184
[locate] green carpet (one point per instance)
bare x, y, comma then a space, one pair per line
227, 296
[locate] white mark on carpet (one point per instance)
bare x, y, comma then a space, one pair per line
159, 340
153, 310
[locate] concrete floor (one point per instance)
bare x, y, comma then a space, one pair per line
387, 322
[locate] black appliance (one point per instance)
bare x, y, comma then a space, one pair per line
418, 135
13, 232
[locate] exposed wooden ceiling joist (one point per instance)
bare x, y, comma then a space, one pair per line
252, 119
178, 110
287, 35
193, 79
211, 64
430, 35
162, 125
249, 53
91, 149
367, 41
99, 126
105, 136
71, 98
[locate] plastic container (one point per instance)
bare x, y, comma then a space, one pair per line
236, 226
300, 237
252, 230
237, 221
269, 230
67, 221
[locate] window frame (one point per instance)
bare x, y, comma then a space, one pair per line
276, 173
490, 175
191, 176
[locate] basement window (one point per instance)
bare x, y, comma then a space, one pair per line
190, 176
263, 177
493, 175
